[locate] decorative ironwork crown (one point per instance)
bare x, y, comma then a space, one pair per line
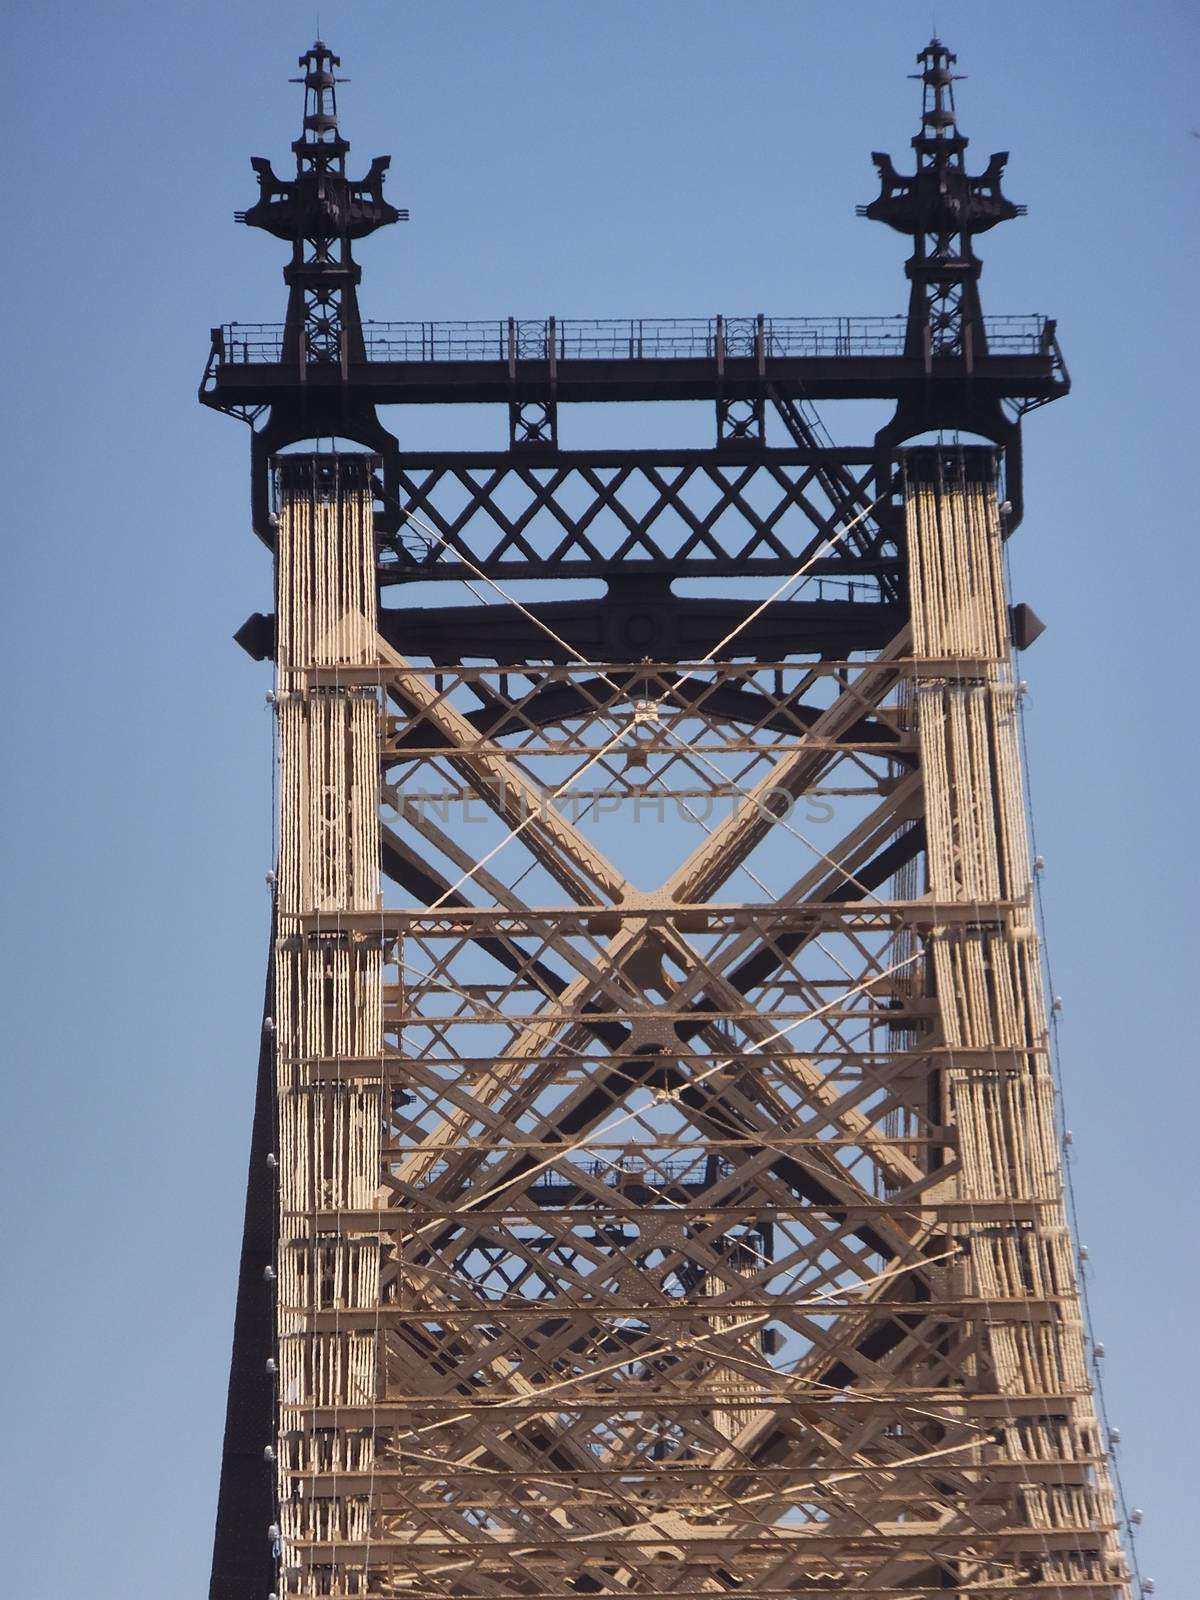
321, 212
942, 206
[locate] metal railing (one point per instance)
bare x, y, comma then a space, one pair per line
251, 343
511, 340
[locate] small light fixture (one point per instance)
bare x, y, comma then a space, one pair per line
1025, 626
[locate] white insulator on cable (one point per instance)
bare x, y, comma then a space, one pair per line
1068, 1137
268, 1274
273, 1532
1022, 689
272, 1365
271, 1161
1137, 1516
1114, 1436
1056, 1004
1039, 863
269, 697
269, 880
1083, 1252
1006, 508
272, 520
268, 1024
1099, 1351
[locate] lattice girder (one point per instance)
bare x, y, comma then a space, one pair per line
587, 514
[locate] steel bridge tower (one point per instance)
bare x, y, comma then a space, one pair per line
654, 1187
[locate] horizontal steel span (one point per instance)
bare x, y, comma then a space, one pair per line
629, 359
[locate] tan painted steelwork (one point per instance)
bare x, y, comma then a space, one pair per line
699, 1237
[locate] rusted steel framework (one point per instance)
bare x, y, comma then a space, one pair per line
654, 1187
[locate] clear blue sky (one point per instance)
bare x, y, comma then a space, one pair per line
588, 158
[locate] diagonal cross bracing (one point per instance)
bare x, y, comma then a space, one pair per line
701, 1237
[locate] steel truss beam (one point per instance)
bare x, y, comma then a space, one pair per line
631, 516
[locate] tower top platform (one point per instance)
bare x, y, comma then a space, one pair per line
324, 371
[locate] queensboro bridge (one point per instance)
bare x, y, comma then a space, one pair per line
654, 1185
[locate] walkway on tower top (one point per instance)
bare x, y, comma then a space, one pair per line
634, 358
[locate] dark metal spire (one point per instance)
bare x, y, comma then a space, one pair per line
322, 353
321, 212
942, 206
